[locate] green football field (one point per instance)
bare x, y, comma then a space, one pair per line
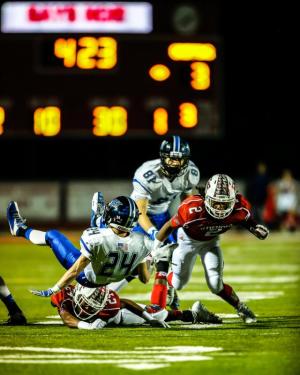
265, 274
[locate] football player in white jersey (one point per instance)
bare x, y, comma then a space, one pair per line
106, 254
156, 183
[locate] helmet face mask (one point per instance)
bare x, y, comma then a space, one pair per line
174, 156
87, 302
220, 196
121, 213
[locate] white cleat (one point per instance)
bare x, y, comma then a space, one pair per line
202, 315
14, 218
98, 206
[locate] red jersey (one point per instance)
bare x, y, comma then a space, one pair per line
63, 301
199, 225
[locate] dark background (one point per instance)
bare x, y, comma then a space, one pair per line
259, 114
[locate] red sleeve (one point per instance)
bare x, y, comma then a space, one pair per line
63, 299
243, 201
112, 306
176, 221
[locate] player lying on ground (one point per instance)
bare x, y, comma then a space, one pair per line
106, 254
200, 220
95, 308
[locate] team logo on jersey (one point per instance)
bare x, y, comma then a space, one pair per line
122, 246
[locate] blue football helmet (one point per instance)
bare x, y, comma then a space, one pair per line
121, 213
174, 155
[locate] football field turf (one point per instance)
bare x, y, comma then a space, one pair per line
265, 274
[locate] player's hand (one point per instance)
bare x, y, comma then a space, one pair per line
163, 253
158, 324
152, 232
261, 232
42, 293
45, 293
98, 324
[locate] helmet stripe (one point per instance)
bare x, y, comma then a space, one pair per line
176, 146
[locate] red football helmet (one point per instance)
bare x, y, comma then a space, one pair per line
87, 302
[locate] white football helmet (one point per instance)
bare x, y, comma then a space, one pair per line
220, 195
87, 302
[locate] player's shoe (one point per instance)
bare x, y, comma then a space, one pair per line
14, 218
202, 315
245, 313
16, 319
98, 206
152, 309
173, 300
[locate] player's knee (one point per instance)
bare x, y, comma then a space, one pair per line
178, 283
215, 284
52, 235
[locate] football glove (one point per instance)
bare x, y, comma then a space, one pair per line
158, 324
152, 232
45, 293
98, 324
163, 253
260, 231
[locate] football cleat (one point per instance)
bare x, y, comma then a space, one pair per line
16, 319
14, 218
202, 315
245, 313
98, 206
152, 309
173, 300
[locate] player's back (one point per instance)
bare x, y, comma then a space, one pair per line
112, 257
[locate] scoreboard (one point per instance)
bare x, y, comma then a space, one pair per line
107, 83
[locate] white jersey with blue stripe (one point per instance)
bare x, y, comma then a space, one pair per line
112, 257
150, 183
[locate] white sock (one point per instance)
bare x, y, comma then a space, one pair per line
4, 291
37, 237
117, 286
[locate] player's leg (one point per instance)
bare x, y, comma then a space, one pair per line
213, 263
98, 206
16, 316
183, 260
63, 249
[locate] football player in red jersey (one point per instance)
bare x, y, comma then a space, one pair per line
94, 308
201, 219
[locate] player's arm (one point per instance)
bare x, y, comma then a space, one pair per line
139, 311
165, 231
66, 279
259, 230
144, 220
70, 321
144, 272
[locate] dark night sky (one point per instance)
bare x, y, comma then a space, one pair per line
260, 121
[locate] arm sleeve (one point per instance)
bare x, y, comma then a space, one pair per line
176, 221
87, 243
141, 188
